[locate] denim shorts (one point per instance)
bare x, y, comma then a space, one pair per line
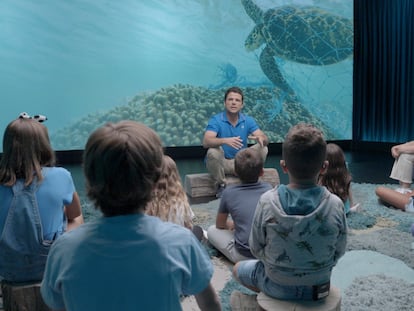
252, 273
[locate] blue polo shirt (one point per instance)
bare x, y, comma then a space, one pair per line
222, 126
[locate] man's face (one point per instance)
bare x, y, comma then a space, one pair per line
233, 103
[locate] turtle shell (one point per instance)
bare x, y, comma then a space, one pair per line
307, 35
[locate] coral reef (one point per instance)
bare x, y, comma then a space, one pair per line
180, 113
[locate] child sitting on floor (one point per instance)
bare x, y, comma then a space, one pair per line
396, 199
402, 170
126, 260
169, 201
337, 177
299, 230
230, 233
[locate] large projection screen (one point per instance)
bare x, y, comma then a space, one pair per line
83, 63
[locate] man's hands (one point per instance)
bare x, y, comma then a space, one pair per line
235, 142
211, 140
258, 139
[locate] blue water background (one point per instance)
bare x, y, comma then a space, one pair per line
68, 59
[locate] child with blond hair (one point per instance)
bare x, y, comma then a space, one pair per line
169, 201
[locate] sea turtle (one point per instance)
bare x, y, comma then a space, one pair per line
306, 35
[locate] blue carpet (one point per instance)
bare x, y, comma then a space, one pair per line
376, 229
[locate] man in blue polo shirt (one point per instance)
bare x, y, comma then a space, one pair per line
226, 133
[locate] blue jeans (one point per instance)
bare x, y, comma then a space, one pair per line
252, 273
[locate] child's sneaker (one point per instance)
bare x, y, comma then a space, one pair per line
356, 208
410, 206
403, 190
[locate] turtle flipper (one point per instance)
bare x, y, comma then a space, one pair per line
271, 70
254, 11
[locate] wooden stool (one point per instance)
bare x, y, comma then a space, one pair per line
22, 298
202, 185
243, 302
330, 303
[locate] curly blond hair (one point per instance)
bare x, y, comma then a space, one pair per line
169, 201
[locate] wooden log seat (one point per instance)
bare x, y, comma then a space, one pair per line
22, 298
243, 302
330, 303
202, 185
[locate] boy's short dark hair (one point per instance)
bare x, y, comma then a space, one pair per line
122, 163
248, 165
304, 151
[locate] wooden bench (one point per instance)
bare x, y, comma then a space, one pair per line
202, 185
22, 298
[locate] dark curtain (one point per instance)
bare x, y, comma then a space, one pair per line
383, 71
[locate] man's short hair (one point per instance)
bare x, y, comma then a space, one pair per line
234, 89
248, 165
304, 151
122, 163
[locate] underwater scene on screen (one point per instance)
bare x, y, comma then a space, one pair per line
168, 63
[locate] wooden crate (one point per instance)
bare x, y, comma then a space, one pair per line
22, 298
202, 184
